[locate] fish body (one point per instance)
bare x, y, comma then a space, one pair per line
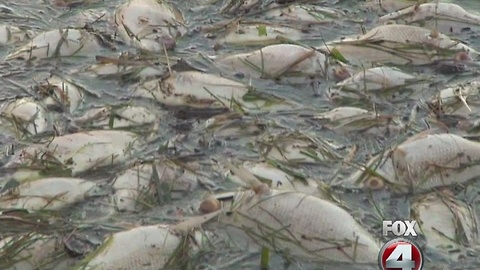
444, 17
300, 224
398, 44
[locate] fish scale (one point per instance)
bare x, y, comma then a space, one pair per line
406, 34
423, 157
276, 59
397, 33
48, 193
150, 252
442, 219
443, 16
397, 44
57, 43
286, 131
148, 24
317, 226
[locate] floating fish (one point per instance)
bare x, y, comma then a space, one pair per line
350, 119
137, 186
126, 68
448, 224
25, 116
421, 163
143, 248
111, 117
388, 82
78, 152
298, 222
61, 92
459, 99
46, 194
259, 34
193, 89
444, 17
149, 24
58, 43
341, 113
296, 148
31, 251
302, 13
282, 60
277, 178
378, 78
393, 5
12, 34
133, 187
397, 44
233, 126
206, 91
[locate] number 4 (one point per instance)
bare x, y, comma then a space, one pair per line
404, 250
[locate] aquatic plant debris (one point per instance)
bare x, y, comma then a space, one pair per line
225, 134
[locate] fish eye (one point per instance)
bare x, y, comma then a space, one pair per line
374, 183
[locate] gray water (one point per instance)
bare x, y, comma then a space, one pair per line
43, 15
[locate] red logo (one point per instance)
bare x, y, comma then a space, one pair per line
400, 254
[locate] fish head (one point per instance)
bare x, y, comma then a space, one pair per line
158, 43
96, 189
125, 200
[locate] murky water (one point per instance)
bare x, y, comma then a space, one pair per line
179, 133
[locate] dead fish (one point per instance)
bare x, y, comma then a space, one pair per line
61, 92
259, 34
387, 82
138, 184
375, 174
459, 99
31, 250
296, 222
296, 148
58, 43
133, 187
232, 126
149, 24
435, 160
282, 60
206, 91
192, 89
276, 178
397, 45
25, 174
350, 119
144, 248
392, 5
25, 115
46, 194
341, 113
421, 163
448, 224
111, 117
302, 13
78, 152
127, 69
444, 17
378, 78
12, 34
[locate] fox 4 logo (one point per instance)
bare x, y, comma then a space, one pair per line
400, 253
400, 228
